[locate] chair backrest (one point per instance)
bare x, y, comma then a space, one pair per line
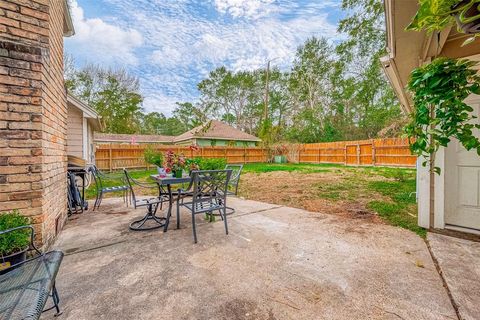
31, 247
235, 178
97, 179
210, 184
130, 182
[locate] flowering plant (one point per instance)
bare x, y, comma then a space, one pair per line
174, 161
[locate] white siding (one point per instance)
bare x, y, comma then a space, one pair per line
75, 132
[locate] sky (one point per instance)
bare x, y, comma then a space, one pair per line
171, 45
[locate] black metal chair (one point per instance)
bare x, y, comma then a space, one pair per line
152, 204
26, 286
99, 178
235, 178
208, 191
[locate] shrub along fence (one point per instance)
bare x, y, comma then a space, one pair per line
376, 152
117, 156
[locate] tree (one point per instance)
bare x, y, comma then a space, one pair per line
113, 93
189, 115
375, 103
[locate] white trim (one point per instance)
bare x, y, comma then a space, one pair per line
68, 29
423, 196
87, 110
462, 229
439, 190
85, 139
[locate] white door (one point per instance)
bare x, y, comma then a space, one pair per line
462, 183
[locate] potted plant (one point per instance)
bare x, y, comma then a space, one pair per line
280, 153
155, 158
439, 90
13, 245
435, 15
175, 162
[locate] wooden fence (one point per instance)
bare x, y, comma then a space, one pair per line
117, 156
376, 152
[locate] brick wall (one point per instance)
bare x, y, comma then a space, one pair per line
33, 112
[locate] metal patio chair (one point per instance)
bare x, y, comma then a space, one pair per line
151, 203
26, 286
235, 178
208, 191
99, 178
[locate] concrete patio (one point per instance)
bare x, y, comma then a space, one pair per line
276, 263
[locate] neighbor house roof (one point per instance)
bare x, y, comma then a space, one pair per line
88, 112
215, 129
129, 138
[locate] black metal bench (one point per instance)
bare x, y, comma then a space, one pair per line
26, 286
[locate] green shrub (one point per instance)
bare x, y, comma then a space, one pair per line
211, 164
153, 157
15, 241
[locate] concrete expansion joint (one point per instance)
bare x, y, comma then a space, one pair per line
444, 281
258, 211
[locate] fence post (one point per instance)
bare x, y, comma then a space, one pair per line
358, 154
110, 158
244, 155
319, 154
345, 154
374, 160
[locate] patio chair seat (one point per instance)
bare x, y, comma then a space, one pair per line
116, 188
24, 290
150, 201
203, 206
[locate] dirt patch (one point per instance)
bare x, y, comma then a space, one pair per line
312, 192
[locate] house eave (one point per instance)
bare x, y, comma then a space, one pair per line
68, 29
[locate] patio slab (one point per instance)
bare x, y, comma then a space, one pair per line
459, 262
276, 263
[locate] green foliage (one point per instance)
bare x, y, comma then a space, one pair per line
332, 92
211, 163
395, 214
439, 90
113, 93
157, 123
153, 157
15, 241
435, 15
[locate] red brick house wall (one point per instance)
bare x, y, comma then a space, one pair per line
33, 110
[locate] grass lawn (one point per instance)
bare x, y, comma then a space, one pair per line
373, 192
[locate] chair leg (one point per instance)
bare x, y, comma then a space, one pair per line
100, 200
225, 219
56, 300
194, 228
96, 201
178, 213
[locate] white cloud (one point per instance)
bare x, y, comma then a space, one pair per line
183, 40
245, 8
106, 42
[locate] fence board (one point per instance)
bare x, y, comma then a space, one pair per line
376, 152
117, 156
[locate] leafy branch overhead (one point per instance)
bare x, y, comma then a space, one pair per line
435, 15
439, 90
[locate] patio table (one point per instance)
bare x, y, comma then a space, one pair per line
168, 182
